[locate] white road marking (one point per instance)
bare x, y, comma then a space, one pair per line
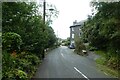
62, 54
81, 73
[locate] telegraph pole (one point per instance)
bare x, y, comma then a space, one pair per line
44, 8
44, 13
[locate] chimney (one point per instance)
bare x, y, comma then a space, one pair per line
75, 22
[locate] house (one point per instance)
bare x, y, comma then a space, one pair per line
75, 31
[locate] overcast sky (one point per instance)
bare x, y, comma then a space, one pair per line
69, 11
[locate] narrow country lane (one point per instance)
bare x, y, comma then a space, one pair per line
64, 63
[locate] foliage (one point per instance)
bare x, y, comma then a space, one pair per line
112, 66
11, 41
7, 62
28, 61
24, 19
29, 57
113, 63
22, 66
111, 72
79, 46
22, 22
102, 30
66, 42
16, 74
52, 39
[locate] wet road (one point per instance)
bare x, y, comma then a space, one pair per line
64, 63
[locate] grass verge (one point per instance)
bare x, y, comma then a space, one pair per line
101, 64
108, 71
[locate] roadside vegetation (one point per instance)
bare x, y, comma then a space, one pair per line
24, 39
101, 64
66, 42
102, 32
79, 46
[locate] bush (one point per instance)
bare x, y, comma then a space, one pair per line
9, 65
11, 41
79, 46
15, 74
113, 63
93, 48
28, 61
22, 66
108, 60
8, 61
29, 57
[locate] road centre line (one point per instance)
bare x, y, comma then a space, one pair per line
81, 73
62, 54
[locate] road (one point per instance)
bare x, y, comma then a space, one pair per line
64, 63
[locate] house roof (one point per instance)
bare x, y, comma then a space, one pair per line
74, 26
78, 24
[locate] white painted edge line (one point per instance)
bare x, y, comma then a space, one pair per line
81, 73
105, 73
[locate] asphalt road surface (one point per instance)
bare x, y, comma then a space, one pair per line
64, 63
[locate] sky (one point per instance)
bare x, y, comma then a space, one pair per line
69, 11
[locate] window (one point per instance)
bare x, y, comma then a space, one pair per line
80, 29
79, 34
72, 35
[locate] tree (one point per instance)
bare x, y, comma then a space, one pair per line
25, 32
103, 29
24, 19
